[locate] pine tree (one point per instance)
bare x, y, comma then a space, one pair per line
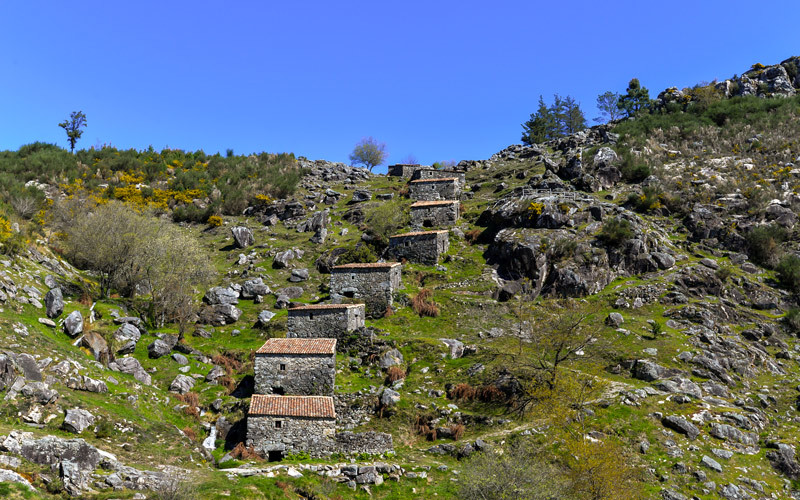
636, 100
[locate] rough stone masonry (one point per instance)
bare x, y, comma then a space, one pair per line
424, 247
374, 283
435, 189
434, 213
325, 320
303, 367
432, 173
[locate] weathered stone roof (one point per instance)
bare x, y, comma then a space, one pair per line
292, 406
371, 265
298, 346
421, 204
418, 233
318, 307
441, 179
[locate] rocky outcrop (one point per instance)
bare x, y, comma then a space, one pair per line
242, 236
132, 367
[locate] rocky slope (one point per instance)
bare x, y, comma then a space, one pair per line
670, 239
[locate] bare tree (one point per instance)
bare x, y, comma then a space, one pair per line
369, 152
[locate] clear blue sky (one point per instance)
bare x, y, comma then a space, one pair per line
439, 80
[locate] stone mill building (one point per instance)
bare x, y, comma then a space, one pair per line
277, 425
434, 213
373, 283
325, 320
292, 366
424, 247
447, 188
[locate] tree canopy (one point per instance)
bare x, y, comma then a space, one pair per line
73, 126
562, 118
369, 152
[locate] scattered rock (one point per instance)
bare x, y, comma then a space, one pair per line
181, 384
77, 420
681, 425
242, 236
73, 324
54, 303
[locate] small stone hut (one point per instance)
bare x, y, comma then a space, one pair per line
303, 367
447, 188
325, 320
433, 173
424, 247
375, 284
434, 213
405, 170
277, 425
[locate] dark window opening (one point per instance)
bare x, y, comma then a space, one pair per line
350, 295
311, 316
275, 456
278, 424
427, 223
283, 367
278, 391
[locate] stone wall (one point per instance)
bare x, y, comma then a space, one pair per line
373, 443
315, 436
432, 173
434, 214
303, 374
374, 285
312, 435
405, 170
325, 322
423, 247
435, 189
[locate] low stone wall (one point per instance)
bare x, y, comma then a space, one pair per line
325, 322
423, 247
432, 173
435, 189
303, 374
434, 213
373, 443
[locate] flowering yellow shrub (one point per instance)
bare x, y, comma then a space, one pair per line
535, 209
5, 229
263, 199
215, 221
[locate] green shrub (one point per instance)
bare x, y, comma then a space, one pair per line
763, 244
788, 272
361, 254
792, 319
104, 429
615, 232
649, 200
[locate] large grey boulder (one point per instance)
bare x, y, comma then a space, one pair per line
264, 317
391, 357
681, 425
161, 347
39, 392
7, 371
220, 315
54, 303
680, 385
97, 345
127, 336
361, 195
730, 433
221, 295
182, 384
215, 373
242, 236
282, 259
77, 420
252, 288
29, 367
646, 370
73, 324
93, 385
298, 275
456, 347
390, 397
615, 320
9, 476
133, 367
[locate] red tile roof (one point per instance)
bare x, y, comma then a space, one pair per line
298, 346
418, 233
313, 307
373, 265
292, 406
440, 179
420, 204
